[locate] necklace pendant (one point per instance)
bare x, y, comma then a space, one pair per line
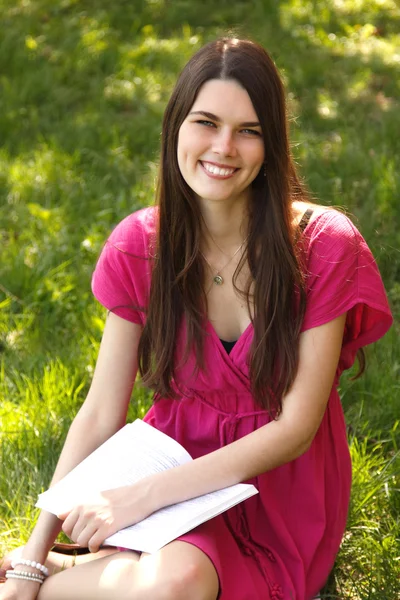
218, 280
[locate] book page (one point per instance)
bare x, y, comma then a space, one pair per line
134, 452
170, 522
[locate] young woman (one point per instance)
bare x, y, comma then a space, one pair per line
241, 303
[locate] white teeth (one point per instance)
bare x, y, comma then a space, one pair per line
216, 170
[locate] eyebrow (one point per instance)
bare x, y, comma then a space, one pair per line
215, 118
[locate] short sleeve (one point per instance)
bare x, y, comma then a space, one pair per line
342, 276
121, 280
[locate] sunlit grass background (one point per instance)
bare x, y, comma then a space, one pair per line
83, 85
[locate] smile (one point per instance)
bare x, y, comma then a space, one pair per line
216, 171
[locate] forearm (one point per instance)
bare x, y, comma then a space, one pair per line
279, 441
104, 514
260, 451
84, 436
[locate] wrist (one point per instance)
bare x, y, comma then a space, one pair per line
24, 576
152, 488
163, 490
38, 568
22, 585
36, 552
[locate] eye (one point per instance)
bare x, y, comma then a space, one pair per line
251, 132
206, 123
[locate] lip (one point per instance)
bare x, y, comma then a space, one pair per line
220, 165
214, 175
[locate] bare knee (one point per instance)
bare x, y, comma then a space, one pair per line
192, 582
178, 572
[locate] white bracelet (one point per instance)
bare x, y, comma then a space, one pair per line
30, 563
25, 575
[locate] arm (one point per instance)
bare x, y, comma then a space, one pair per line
276, 443
270, 446
101, 415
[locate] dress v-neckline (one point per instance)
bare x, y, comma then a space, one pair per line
303, 225
239, 341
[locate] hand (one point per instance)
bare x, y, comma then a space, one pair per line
91, 522
14, 589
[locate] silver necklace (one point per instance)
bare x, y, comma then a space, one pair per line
217, 278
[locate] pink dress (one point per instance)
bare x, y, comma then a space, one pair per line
280, 544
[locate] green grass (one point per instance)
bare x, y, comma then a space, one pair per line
83, 85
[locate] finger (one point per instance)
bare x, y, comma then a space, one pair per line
5, 563
86, 534
84, 527
96, 541
70, 523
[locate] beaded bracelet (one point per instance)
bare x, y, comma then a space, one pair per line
26, 575
30, 563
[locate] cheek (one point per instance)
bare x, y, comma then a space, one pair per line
180, 151
193, 141
184, 155
252, 152
183, 146
257, 155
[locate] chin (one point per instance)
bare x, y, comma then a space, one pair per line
214, 194
215, 197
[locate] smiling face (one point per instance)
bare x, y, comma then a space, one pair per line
220, 145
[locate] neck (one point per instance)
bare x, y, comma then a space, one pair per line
223, 224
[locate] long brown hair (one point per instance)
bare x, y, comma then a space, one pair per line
276, 276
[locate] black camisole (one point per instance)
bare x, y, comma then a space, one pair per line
228, 345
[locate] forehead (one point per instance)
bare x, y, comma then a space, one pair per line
226, 99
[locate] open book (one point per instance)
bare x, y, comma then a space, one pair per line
134, 452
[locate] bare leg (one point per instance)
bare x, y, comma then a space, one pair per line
56, 561
179, 571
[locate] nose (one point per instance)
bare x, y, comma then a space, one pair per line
224, 143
